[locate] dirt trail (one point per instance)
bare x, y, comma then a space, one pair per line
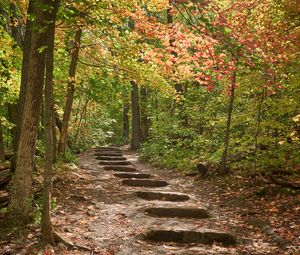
126, 218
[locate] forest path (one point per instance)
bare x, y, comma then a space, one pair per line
156, 212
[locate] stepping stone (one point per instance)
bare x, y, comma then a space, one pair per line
164, 196
121, 168
144, 183
110, 158
133, 175
102, 162
184, 236
180, 212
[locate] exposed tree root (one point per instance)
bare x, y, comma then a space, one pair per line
285, 183
60, 239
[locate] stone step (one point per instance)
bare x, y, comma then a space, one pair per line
164, 196
107, 148
133, 175
113, 158
108, 154
181, 212
121, 168
110, 163
144, 183
185, 236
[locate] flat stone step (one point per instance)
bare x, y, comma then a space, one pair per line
103, 162
144, 183
184, 236
133, 175
121, 168
107, 148
181, 212
164, 196
113, 158
107, 154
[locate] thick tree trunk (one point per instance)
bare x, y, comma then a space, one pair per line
224, 169
144, 114
126, 122
70, 93
27, 52
34, 66
46, 224
2, 153
136, 119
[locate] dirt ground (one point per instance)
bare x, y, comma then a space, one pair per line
95, 210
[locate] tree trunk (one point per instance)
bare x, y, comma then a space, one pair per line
144, 115
2, 153
46, 224
126, 121
70, 93
23, 88
32, 79
54, 135
136, 120
12, 110
258, 125
224, 169
80, 119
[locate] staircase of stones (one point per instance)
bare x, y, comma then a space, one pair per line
165, 204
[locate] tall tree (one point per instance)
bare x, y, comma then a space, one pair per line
33, 79
47, 228
126, 121
144, 114
70, 92
136, 119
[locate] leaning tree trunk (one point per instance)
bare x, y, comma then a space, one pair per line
19, 204
46, 224
126, 121
224, 169
70, 93
2, 153
136, 119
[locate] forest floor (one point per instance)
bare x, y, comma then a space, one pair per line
95, 210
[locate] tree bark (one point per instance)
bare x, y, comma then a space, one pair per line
32, 79
136, 119
70, 93
46, 224
80, 119
144, 115
224, 168
25, 67
258, 125
126, 121
2, 153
